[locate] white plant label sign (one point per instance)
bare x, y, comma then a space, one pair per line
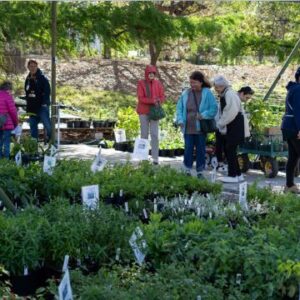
243, 195
49, 164
141, 149
162, 135
18, 158
99, 163
66, 263
53, 150
213, 175
120, 135
64, 288
18, 131
90, 196
138, 245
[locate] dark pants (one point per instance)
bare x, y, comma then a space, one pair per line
233, 164
192, 141
293, 158
220, 147
41, 116
5, 143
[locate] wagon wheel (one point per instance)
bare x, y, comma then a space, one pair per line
244, 162
271, 167
262, 161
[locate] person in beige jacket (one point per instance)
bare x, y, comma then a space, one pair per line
231, 126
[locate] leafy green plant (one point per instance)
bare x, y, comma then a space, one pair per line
128, 120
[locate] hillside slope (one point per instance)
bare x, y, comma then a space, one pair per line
122, 75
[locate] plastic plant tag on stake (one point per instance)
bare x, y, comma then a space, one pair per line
213, 175
99, 163
18, 158
53, 150
64, 288
90, 196
141, 149
243, 195
120, 135
49, 164
66, 263
25, 270
238, 278
118, 252
138, 245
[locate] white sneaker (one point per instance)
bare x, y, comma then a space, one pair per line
229, 179
241, 178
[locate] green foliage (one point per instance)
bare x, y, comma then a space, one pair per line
128, 119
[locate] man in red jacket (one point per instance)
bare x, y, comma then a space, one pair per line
8, 111
149, 92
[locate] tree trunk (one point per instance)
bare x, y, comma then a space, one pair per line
154, 53
106, 51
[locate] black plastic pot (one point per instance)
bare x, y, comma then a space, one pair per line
25, 285
70, 124
85, 124
77, 124
28, 158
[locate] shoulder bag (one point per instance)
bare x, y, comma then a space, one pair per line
206, 125
156, 111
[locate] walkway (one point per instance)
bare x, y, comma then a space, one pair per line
82, 151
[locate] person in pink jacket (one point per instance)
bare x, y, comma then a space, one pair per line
150, 91
9, 112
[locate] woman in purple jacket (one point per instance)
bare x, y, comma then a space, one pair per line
8, 112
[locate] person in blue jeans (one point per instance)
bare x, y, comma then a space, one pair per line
37, 89
194, 104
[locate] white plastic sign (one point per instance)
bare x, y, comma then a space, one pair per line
53, 150
243, 195
18, 131
162, 135
66, 263
120, 135
64, 288
141, 149
90, 196
138, 245
18, 158
99, 163
49, 164
213, 175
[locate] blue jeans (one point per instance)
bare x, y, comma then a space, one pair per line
41, 116
190, 142
5, 143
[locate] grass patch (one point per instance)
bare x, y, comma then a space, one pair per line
94, 103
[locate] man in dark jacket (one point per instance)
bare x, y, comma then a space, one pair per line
291, 131
37, 89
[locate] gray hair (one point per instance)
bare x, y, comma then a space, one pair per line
221, 81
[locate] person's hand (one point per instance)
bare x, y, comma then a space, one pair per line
298, 135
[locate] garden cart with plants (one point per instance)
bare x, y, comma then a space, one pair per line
266, 150
269, 146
